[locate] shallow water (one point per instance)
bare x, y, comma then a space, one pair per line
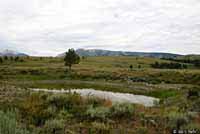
113, 96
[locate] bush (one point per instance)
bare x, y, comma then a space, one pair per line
95, 102
63, 114
59, 101
99, 128
54, 127
98, 125
177, 120
35, 72
9, 125
193, 98
195, 106
23, 72
97, 113
193, 94
17, 58
192, 126
118, 110
122, 110
5, 57
35, 110
171, 65
1, 60
70, 102
142, 130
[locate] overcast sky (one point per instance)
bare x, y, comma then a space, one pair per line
49, 27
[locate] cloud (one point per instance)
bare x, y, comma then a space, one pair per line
48, 27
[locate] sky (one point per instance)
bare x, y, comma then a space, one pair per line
50, 27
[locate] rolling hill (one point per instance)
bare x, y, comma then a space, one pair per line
100, 52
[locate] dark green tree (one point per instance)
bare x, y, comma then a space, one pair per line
17, 58
131, 67
1, 60
5, 57
71, 58
11, 58
83, 57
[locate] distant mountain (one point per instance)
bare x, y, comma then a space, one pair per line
11, 53
99, 52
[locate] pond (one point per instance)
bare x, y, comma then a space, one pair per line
113, 96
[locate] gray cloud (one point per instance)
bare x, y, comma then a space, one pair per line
48, 27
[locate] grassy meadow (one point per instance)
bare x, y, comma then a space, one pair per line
45, 113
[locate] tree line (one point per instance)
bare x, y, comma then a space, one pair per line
195, 62
170, 65
10, 58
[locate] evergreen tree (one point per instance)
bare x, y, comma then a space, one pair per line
131, 67
71, 58
17, 58
1, 60
5, 57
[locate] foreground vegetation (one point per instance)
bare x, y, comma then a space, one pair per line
22, 111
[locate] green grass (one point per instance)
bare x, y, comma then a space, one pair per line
163, 94
102, 73
97, 68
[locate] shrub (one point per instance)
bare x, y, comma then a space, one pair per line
23, 72
69, 102
11, 58
9, 125
95, 102
142, 130
21, 60
196, 105
1, 60
58, 100
5, 57
139, 79
65, 101
131, 67
54, 127
63, 114
122, 110
171, 65
35, 72
118, 110
102, 126
177, 120
192, 126
35, 110
193, 99
98, 113
17, 58
193, 94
